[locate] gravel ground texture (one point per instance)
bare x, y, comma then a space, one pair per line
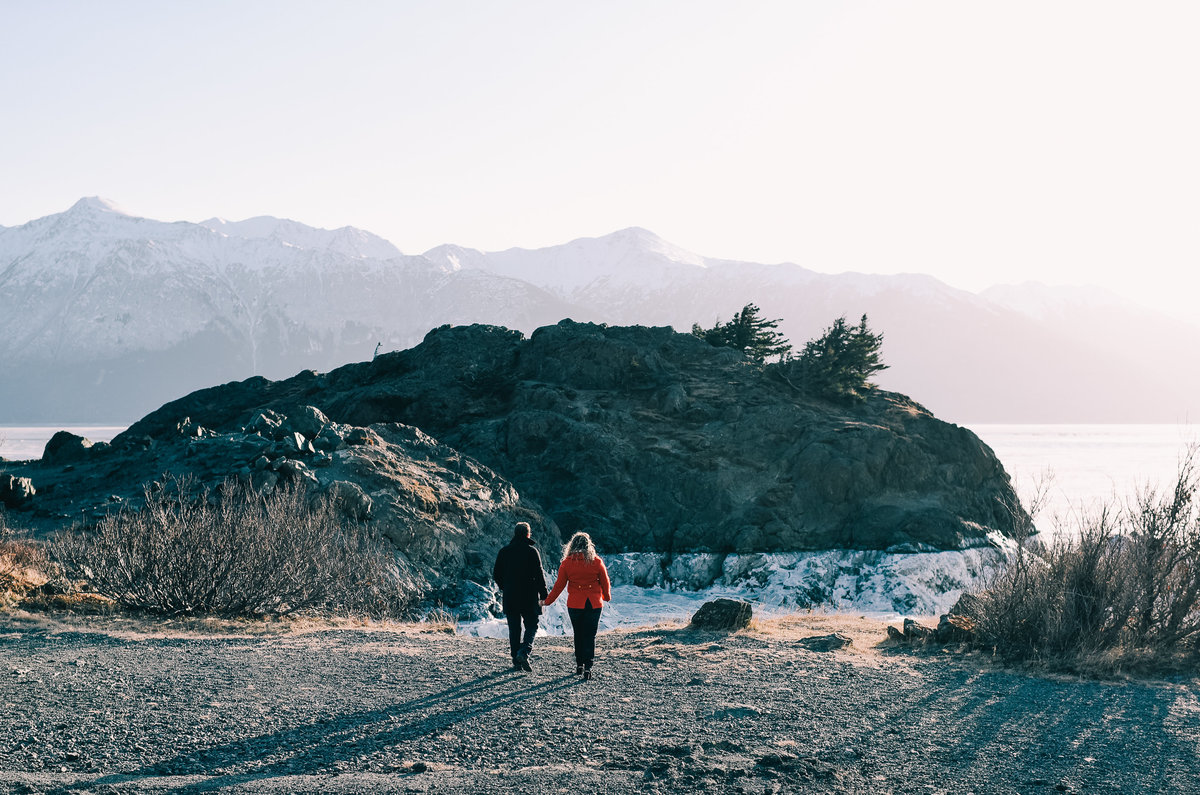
119, 707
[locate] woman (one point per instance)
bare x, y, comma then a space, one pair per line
583, 574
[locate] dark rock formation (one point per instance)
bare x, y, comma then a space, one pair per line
446, 514
16, 492
65, 447
653, 440
824, 643
724, 615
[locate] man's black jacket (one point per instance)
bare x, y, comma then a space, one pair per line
518, 572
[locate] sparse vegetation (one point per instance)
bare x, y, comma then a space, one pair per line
1120, 593
23, 565
838, 365
439, 619
235, 553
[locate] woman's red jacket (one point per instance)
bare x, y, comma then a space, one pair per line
585, 581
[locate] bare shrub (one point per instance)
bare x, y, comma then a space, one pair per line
1121, 592
234, 553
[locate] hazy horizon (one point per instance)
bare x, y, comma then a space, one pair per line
978, 144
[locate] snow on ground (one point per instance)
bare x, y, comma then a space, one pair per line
647, 589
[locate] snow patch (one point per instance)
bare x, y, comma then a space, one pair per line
648, 588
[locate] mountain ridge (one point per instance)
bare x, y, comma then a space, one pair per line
105, 315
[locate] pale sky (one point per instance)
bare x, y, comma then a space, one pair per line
980, 142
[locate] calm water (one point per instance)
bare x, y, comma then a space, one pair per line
1089, 463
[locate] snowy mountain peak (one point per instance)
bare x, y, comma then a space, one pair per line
94, 205
633, 257
637, 239
347, 240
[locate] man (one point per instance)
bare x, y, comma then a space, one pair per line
518, 572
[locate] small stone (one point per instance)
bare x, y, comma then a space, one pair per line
296, 443
915, 632
419, 767
364, 437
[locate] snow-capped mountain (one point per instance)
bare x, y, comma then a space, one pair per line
104, 316
347, 241
1020, 354
631, 257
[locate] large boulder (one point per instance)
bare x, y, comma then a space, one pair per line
65, 447
725, 615
653, 440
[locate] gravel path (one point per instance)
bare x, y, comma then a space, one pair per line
400, 710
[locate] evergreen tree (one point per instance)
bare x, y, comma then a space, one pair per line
748, 332
841, 361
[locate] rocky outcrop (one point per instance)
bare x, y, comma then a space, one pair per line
65, 447
446, 514
653, 440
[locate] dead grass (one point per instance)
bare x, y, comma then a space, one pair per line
24, 567
117, 623
868, 635
441, 620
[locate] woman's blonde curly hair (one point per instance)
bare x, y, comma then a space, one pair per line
580, 544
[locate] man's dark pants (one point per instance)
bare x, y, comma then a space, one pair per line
521, 647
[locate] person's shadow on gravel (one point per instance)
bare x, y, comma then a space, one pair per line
320, 746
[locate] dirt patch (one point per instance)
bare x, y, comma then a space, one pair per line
339, 707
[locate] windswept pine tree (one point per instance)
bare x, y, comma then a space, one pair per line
748, 332
840, 363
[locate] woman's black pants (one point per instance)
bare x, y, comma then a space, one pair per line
585, 621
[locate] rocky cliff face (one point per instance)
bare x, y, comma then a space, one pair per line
654, 441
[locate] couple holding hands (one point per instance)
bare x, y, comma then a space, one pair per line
518, 572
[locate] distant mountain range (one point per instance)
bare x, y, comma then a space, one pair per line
105, 316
